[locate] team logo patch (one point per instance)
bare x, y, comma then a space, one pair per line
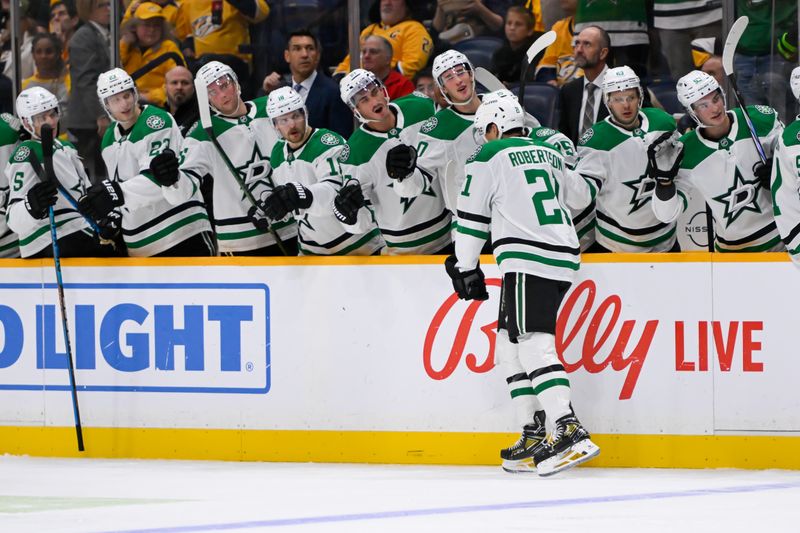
420, 95
586, 137
344, 154
765, 109
474, 154
7, 118
798, 136
329, 139
22, 154
545, 132
429, 125
155, 122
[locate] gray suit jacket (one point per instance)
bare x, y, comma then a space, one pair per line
88, 58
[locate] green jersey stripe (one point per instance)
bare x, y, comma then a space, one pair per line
418, 242
551, 383
523, 391
41, 231
757, 248
166, 231
525, 256
475, 233
643, 244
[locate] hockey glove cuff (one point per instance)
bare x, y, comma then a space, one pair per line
40, 198
347, 203
469, 285
285, 199
401, 161
256, 216
101, 199
165, 167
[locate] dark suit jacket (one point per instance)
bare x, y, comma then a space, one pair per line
571, 98
88, 58
326, 109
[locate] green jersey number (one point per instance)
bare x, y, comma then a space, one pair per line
547, 196
156, 147
17, 181
421, 147
467, 183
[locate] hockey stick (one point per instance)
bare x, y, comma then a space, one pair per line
490, 81
47, 153
205, 121
727, 64
538, 46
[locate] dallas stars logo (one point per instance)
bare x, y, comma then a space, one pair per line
643, 188
740, 197
408, 202
255, 169
304, 222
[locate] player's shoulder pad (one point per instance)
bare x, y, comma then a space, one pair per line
156, 118
276, 157
108, 136
602, 136
492, 148
321, 142
763, 117
694, 151
360, 148
9, 129
260, 104
658, 119
67, 144
26, 151
197, 132
329, 138
542, 132
415, 109
445, 125
791, 134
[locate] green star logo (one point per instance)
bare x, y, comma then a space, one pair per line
256, 169
642, 191
408, 202
304, 222
740, 197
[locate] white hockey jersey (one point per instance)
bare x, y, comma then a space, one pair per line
248, 142
786, 188
34, 234
9, 138
615, 159
315, 165
409, 224
154, 218
518, 190
722, 173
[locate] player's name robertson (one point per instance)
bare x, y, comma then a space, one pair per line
605, 342
535, 157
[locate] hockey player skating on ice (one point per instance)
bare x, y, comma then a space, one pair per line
445, 137
720, 160
613, 155
246, 138
32, 195
307, 177
517, 189
409, 225
162, 212
9, 138
786, 180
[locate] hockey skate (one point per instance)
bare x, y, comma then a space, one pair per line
568, 446
518, 458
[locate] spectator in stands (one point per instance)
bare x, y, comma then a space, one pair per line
320, 93
507, 61
410, 40
89, 56
425, 84
168, 7
627, 23
51, 73
376, 56
456, 20
763, 76
181, 99
28, 27
220, 35
557, 65
64, 22
147, 53
581, 99
678, 24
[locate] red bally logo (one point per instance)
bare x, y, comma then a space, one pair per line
572, 318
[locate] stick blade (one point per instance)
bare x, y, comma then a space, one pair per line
540, 44
731, 42
202, 103
488, 80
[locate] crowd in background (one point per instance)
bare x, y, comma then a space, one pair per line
302, 44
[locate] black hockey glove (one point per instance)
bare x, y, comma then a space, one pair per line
285, 199
763, 172
110, 226
101, 199
469, 285
664, 156
257, 217
401, 161
164, 167
40, 197
347, 203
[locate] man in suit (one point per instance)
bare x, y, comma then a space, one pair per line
581, 99
320, 93
89, 56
